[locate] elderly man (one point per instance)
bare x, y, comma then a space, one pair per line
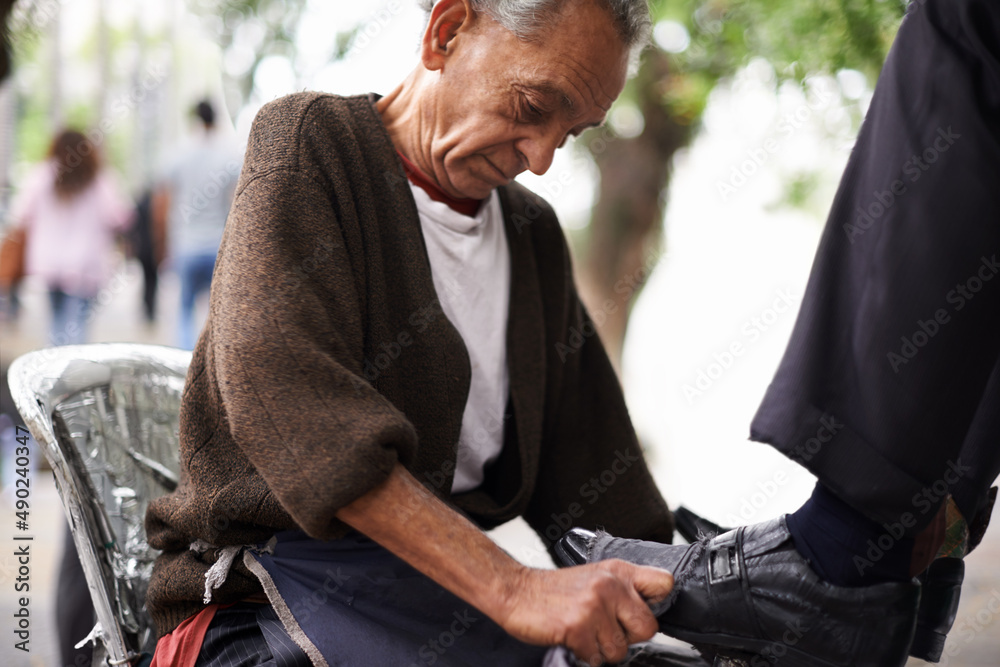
377, 380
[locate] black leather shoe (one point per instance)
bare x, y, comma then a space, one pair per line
941, 588
693, 527
748, 595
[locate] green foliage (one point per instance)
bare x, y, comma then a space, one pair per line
798, 37
33, 129
799, 189
80, 116
687, 94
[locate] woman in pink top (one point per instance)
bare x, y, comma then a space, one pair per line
71, 211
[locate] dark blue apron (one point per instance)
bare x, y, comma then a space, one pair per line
361, 605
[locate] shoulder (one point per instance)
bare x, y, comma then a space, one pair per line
289, 110
312, 132
40, 177
288, 125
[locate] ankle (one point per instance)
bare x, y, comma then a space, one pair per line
845, 547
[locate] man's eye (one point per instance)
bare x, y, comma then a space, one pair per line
532, 111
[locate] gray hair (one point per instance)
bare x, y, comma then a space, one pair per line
527, 18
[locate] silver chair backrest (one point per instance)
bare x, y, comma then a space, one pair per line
106, 418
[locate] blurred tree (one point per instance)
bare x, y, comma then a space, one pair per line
697, 44
25, 21
5, 7
266, 27
272, 24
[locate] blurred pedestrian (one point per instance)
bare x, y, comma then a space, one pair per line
146, 244
11, 273
71, 212
192, 204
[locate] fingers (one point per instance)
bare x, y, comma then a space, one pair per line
652, 583
637, 621
602, 638
595, 610
645, 585
625, 617
597, 645
613, 643
594, 647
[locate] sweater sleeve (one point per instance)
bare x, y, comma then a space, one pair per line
592, 472
286, 338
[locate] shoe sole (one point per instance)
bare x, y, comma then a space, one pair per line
748, 650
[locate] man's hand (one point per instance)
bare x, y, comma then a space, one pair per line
595, 610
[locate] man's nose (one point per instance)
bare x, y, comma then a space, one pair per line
539, 149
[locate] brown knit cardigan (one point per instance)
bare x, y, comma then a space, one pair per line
326, 359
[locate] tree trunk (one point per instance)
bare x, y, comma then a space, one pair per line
103, 64
5, 9
627, 223
56, 113
140, 170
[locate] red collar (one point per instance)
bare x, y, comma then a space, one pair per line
420, 179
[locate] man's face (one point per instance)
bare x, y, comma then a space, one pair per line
503, 106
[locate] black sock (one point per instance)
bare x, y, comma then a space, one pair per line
844, 546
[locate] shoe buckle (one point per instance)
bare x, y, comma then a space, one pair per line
722, 563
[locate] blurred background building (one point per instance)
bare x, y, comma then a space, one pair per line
693, 215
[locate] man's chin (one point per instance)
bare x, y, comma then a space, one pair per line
474, 188
476, 180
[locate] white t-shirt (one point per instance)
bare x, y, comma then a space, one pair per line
470, 266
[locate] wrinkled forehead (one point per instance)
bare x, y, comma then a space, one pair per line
579, 62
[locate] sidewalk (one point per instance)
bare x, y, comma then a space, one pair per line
118, 319
46, 528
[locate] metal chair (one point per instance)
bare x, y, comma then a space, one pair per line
106, 418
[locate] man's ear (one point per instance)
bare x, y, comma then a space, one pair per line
448, 19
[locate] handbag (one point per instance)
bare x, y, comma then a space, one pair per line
12, 258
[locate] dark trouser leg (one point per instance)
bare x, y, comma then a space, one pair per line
247, 635
150, 278
886, 373
74, 609
981, 455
